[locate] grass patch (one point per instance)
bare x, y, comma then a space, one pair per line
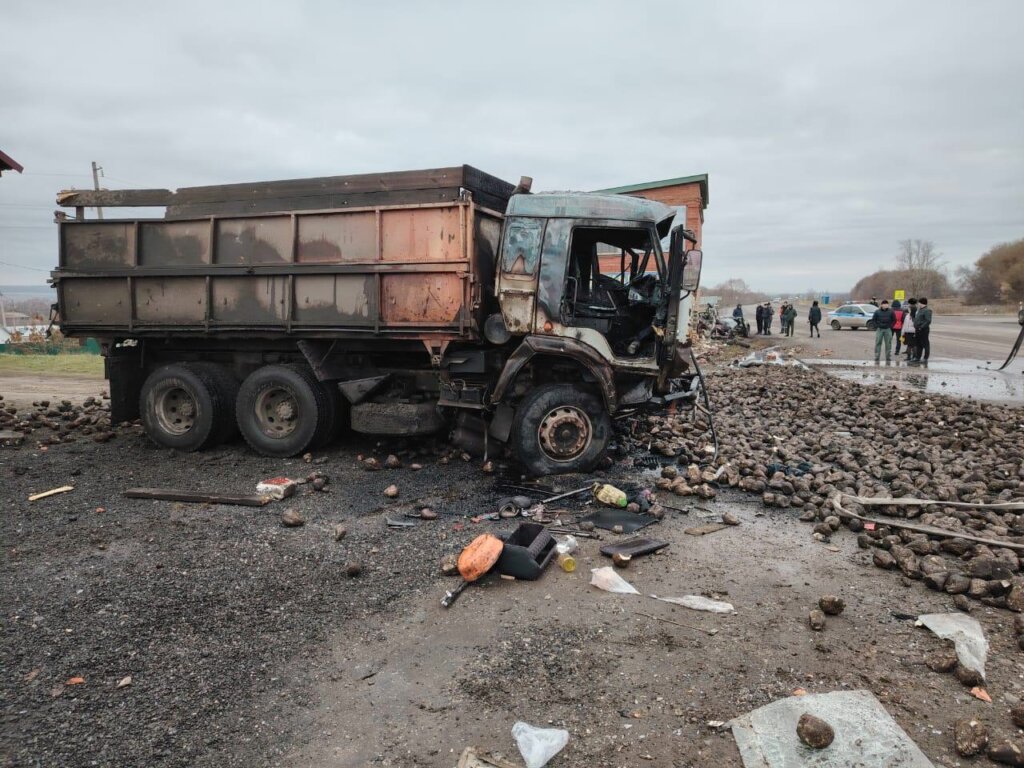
71, 365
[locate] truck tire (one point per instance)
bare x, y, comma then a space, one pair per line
226, 384
331, 415
559, 428
182, 407
281, 410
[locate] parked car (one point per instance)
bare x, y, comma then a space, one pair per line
852, 316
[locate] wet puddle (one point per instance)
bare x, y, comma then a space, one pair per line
959, 378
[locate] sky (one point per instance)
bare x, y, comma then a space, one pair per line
829, 131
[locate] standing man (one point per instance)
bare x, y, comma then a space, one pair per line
759, 316
768, 316
790, 319
814, 317
883, 320
908, 327
922, 329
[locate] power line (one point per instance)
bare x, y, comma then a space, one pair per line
22, 266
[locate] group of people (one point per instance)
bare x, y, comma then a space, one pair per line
912, 326
765, 314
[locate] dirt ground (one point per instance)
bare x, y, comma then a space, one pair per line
247, 644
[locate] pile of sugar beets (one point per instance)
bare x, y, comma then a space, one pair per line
64, 422
799, 438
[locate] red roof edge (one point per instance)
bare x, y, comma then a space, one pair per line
8, 163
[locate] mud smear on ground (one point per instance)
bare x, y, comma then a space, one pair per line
968, 379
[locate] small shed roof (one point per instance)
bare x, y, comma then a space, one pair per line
8, 163
700, 178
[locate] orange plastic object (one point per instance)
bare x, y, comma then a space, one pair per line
479, 556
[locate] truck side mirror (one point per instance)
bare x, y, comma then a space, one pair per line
691, 270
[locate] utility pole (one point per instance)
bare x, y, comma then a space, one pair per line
96, 171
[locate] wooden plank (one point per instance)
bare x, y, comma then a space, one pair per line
313, 203
196, 497
397, 181
52, 492
704, 530
89, 198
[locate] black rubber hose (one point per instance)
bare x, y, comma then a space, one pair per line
707, 404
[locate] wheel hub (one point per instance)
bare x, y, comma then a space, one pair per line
565, 433
175, 411
277, 412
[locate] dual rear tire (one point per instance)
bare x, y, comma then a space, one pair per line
281, 410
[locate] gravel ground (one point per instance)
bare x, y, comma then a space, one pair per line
248, 644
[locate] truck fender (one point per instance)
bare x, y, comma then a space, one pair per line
582, 353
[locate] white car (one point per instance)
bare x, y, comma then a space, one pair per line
852, 316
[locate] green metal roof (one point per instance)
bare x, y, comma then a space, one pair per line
700, 178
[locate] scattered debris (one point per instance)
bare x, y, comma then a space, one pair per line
538, 745
75, 681
394, 522
471, 758
1007, 753
526, 552
698, 603
704, 530
292, 518
610, 519
728, 518
475, 561
353, 569
981, 694
865, 734
607, 579
197, 497
124, 682
635, 547
340, 531
276, 488
814, 732
966, 634
391, 492
610, 495
51, 492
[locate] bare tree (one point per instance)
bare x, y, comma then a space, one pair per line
920, 260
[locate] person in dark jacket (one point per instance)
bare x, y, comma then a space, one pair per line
922, 330
883, 320
759, 317
769, 314
814, 317
737, 314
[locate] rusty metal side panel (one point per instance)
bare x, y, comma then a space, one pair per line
170, 300
348, 300
250, 299
254, 240
431, 299
96, 300
174, 243
98, 246
422, 234
337, 238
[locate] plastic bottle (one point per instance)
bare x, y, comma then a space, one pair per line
564, 549
610, 495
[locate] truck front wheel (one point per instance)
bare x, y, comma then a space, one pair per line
559, 428
282, 410
184, 407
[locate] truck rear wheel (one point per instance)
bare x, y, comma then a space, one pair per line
282, 410
183, 407
559, 428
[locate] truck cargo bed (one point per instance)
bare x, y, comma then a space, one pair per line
405, 271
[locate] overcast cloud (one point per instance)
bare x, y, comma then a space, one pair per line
829, 130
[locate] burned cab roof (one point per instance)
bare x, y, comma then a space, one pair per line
581, 205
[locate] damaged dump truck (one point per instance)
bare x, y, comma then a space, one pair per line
390, 304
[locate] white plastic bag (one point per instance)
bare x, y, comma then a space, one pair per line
698, 603
607, 579
566, 546
538, 745
966, 634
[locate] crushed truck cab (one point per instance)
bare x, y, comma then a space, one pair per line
395, 304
